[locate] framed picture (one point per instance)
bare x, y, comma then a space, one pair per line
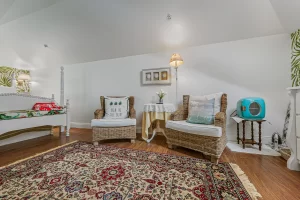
156, 76
148, 76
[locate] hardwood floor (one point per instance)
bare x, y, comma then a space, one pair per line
269, 174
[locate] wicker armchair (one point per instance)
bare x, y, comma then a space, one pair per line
127, 131
209, 145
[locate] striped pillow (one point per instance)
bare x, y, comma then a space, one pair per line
201, 112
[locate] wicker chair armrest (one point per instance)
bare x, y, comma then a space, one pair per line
220, 119
178, 115
98, 114
132, 113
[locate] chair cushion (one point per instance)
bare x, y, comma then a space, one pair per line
113, 122
198, 129
216, 96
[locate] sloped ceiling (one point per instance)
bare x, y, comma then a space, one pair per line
87, 30
288, 12
13, 9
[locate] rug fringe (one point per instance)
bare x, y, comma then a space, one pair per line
38, 154
245, 181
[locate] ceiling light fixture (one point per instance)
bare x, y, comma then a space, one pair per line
169, 16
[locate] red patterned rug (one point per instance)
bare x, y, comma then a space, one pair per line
83, 171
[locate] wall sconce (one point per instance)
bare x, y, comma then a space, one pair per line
23, 78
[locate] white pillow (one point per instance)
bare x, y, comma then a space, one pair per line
116, 108
216, 96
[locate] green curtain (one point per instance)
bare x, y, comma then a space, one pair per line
295, 58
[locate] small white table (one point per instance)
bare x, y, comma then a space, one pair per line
155, 112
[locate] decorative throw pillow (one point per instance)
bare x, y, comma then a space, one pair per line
201, 112
216, 96
116, 108
46, 106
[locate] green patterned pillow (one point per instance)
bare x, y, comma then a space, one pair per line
201, 112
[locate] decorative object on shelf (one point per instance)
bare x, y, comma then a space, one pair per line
161, 94
252, 108
175, 62
155, 113
156, 76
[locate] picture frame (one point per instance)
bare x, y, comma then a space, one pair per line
156, 76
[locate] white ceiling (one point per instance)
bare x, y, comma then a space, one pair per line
88, 30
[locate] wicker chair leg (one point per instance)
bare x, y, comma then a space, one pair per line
59, 131
132, 141
96, 143
214, 159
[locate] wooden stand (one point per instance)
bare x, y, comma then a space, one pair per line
250, 141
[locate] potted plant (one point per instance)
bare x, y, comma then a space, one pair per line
161, 94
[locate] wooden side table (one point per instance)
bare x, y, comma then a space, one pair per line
250, 141
155, 113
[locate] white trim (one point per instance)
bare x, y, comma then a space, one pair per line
80, 125
265, 149
232, 137
139, 129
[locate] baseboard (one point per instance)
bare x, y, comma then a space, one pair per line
80, 125
230, 136
265, 139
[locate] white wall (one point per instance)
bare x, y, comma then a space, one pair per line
44, 66
253, 67
7, 58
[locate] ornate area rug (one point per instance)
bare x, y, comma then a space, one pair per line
82, 171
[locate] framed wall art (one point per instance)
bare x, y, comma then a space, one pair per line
156, 76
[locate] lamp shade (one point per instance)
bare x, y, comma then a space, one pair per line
24, 77
176, 60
